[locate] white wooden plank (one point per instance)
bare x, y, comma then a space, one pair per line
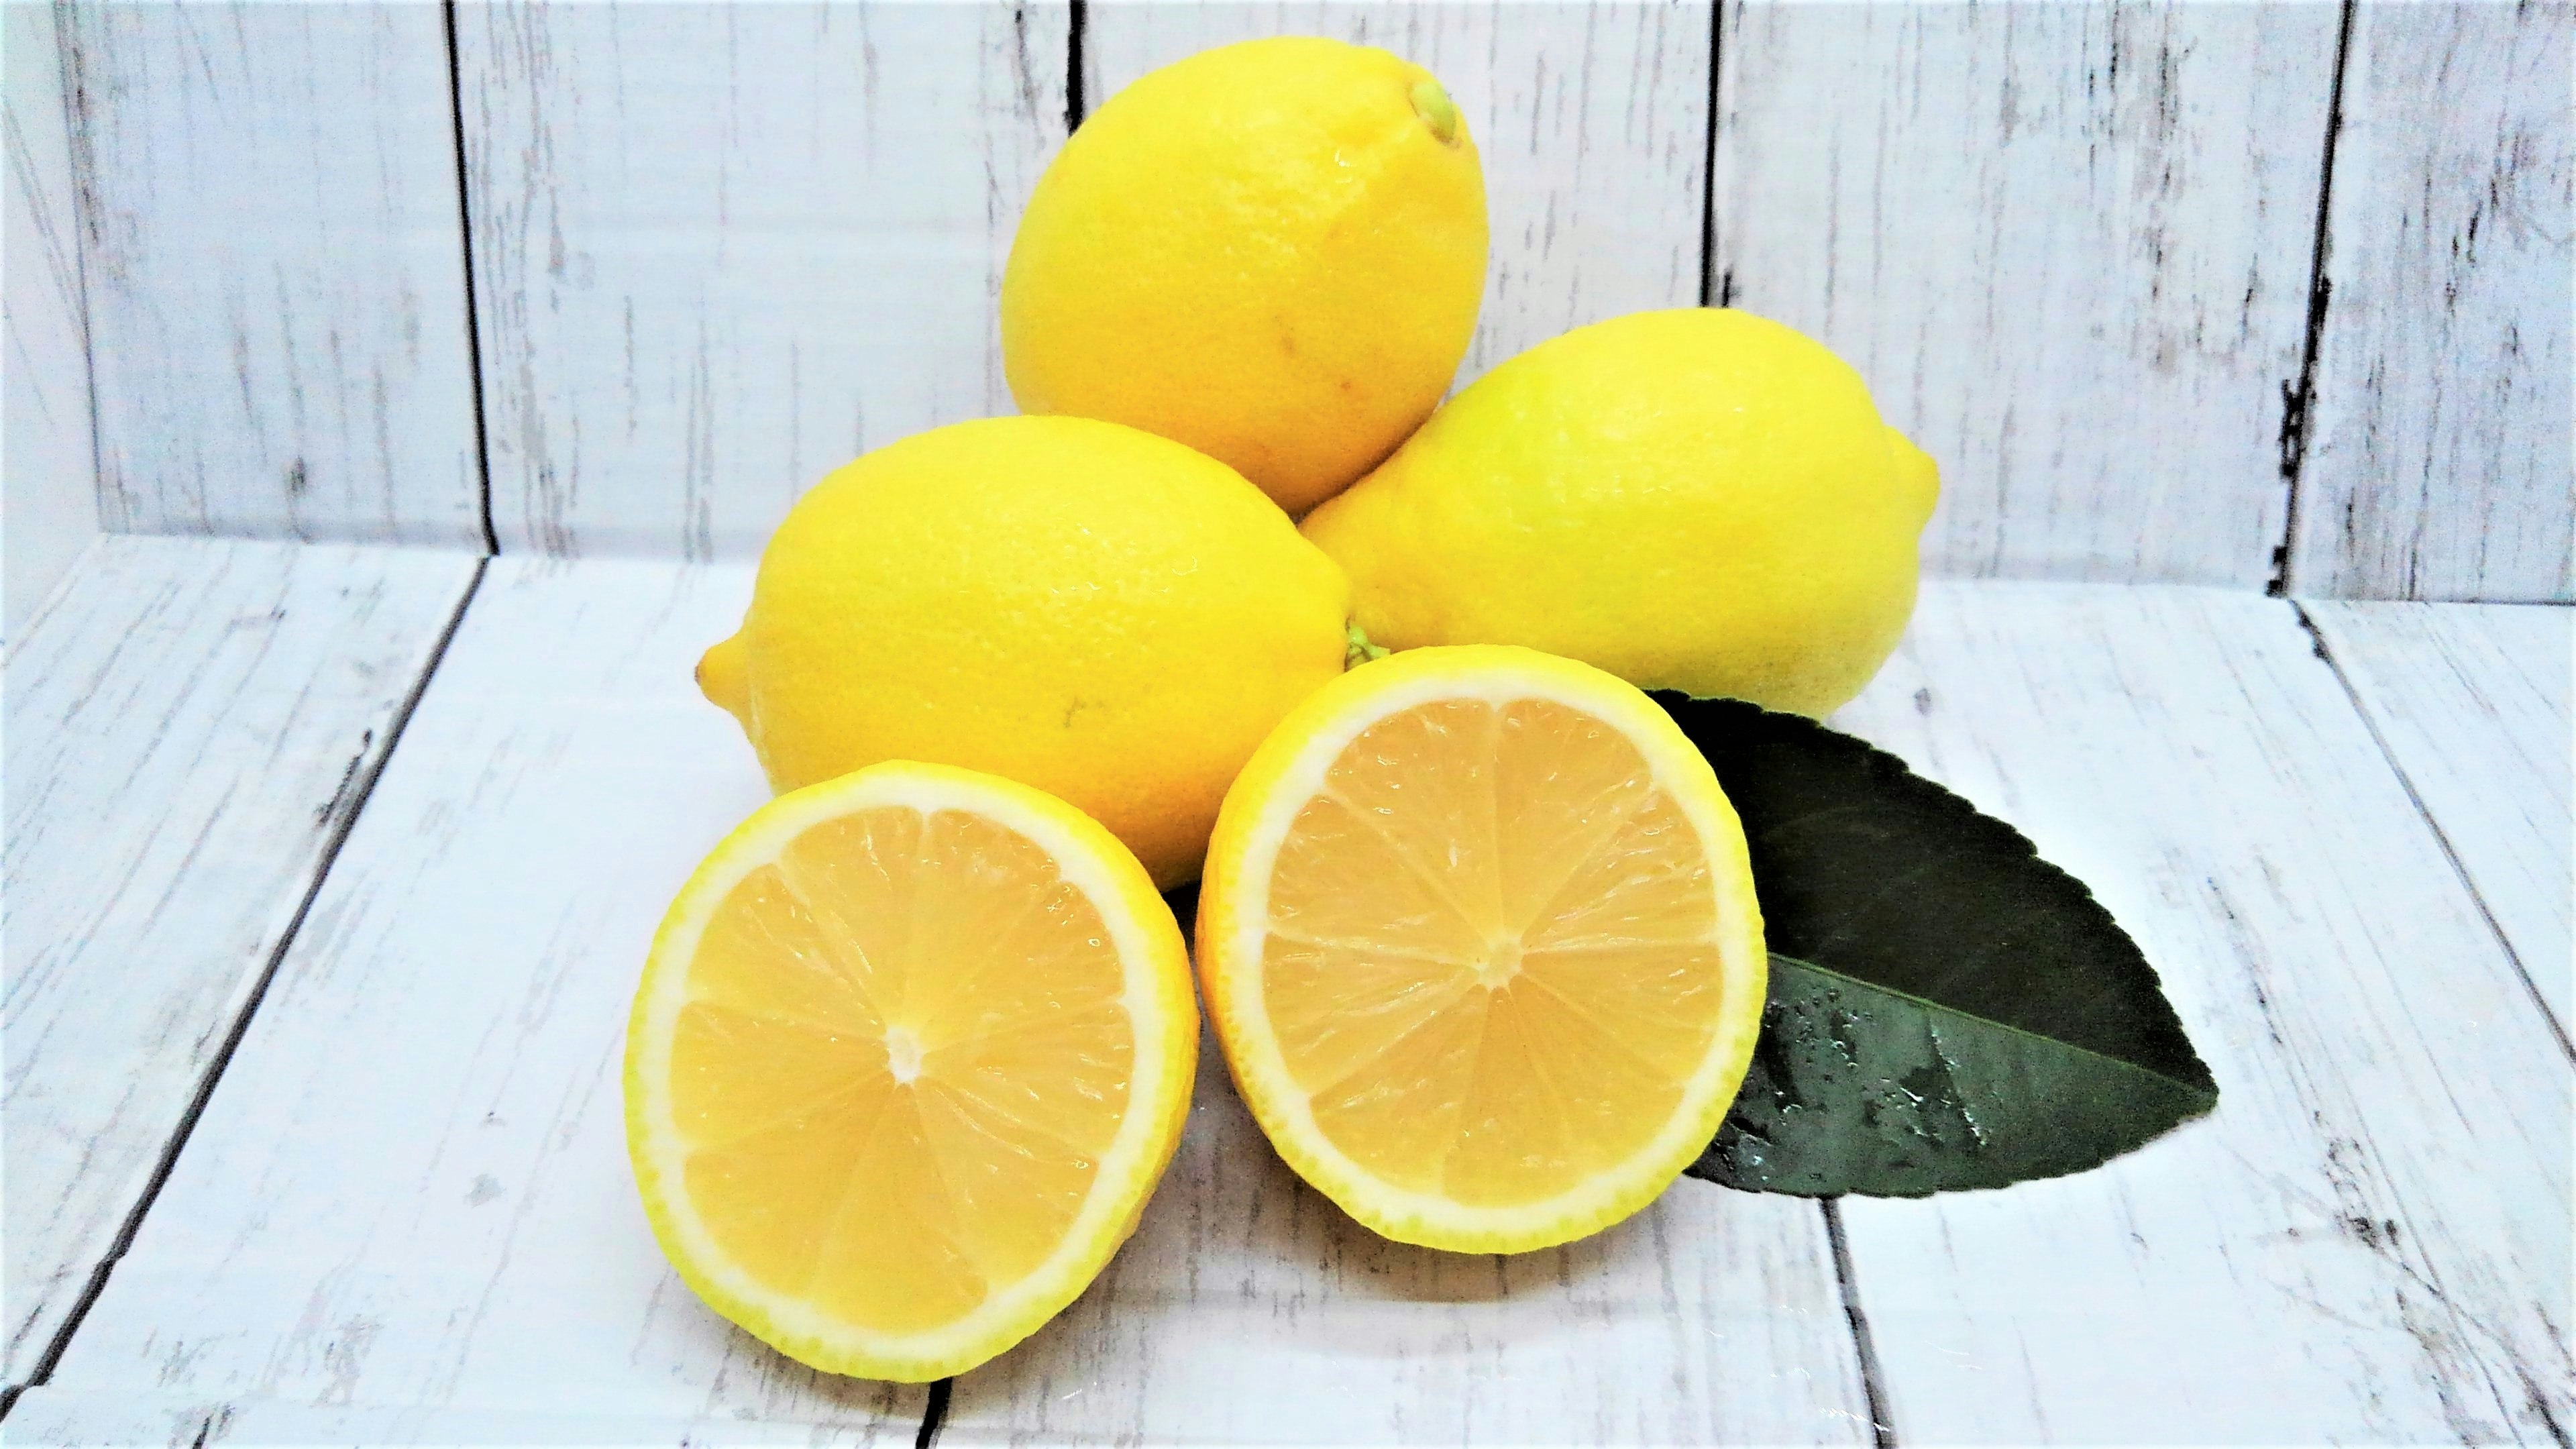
2472, 703
2439, 450
120, 1420
722, 249
1248, 1309
410, 1190
2368, 1241
189, 724
274, 257
46, 464
1591, 120
2067, 244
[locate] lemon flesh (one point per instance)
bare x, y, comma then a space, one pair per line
1479, 939
1699, 500
1272, 251
909, 1054
1079, 606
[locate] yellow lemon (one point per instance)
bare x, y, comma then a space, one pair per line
1478, 936
1271, 251
1078, 606
1697, 500
910, 1052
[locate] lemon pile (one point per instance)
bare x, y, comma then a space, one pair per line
1477, 932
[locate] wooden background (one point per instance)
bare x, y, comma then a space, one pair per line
315, 982
2268, 296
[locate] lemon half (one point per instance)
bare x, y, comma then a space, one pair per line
911, 1050
1478, 936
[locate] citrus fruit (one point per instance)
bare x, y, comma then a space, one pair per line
1698, 500
1478, 937
1079, 606
910, 1051
1272, 251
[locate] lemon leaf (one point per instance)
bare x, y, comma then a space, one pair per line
1947, 1010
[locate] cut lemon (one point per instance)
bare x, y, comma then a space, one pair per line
1478, 935
911, 1049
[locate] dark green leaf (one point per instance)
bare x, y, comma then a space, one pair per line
1947, 1010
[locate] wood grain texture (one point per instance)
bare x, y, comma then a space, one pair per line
721, 250
1248, 1309
2472, 703
133, 1417
189, 724
2067, 245
2368, 1241
269, 229
411, 1189
2439, 462
46, 463
1591, 120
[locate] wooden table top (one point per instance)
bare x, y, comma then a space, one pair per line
330, 870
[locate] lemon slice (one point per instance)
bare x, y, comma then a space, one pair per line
1478, 936
910, 1051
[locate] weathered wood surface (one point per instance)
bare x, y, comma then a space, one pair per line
46, 463
268, 223
1591, 120
2441, 463
1248, 1309
2368, 1241
722, 249
407, 1212
134, 1417
2472, 703
2068, 245
189, 726
411, 1189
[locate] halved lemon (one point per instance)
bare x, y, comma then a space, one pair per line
911, 1049
1478, 935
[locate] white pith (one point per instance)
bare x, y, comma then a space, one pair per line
1124, 1168
1258, 1057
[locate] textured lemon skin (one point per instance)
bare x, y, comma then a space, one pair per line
1079, 606
1233, 901
1699, 500
1128, 903
1268, 251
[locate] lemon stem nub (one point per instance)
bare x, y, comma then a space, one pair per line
1361, 651
1434, 106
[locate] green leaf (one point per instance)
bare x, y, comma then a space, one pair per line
1947, 1010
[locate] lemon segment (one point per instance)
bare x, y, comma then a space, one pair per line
910, 1051
1479, 939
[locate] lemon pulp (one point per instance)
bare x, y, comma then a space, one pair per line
897, 1084
1491, 944
859, 1103
1480, 942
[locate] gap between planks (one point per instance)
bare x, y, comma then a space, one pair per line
2299, 396
365, 787
2441, 837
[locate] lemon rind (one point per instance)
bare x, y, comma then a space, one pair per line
1234, 910
1156, 994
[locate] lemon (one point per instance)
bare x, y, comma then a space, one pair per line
1272, 251
909, 1054
1697, 500
1478, 936
1079, 606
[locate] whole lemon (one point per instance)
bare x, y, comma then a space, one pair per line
1271, 251
1078, 606
1699, 500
